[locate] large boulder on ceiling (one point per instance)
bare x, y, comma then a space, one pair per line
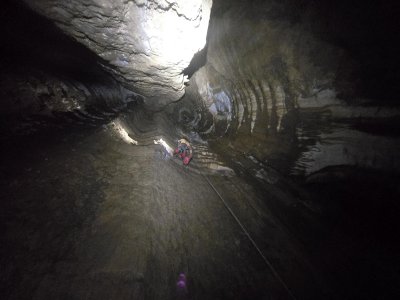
145, 44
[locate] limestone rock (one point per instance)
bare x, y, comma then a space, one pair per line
258, 68
145, 44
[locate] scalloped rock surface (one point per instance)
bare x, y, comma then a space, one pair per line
145, 44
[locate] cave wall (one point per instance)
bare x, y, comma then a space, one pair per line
277, 83
146, 45
49, 80
287, 89
279, 92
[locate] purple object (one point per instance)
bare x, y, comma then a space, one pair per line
181, 286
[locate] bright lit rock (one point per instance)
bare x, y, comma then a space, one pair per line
145, 44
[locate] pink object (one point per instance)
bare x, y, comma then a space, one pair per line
185, 153
186, 160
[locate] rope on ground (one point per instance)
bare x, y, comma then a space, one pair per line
274, 272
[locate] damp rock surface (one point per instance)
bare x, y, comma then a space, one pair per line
145, 44
292, 113
276, 92
92, 217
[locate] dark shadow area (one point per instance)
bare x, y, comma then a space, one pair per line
361, 209
32, 41
49, 81
389, 127
366, 30
198, 61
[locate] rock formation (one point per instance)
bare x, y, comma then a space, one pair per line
291, 107
267, 74
145, 44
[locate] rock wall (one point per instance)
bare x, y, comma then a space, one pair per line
258, 67
48, 80
278, 86
38, 100
145, 44
270, 80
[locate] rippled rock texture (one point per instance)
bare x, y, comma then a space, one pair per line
283, 92
284, 133
145, 44
48, 80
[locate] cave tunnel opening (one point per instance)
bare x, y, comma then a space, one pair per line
291, 108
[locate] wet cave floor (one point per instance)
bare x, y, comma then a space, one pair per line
86, 216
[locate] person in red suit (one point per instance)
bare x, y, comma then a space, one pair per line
184, 151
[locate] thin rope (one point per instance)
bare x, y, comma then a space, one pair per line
274, 272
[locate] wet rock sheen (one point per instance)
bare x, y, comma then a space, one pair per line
145, 44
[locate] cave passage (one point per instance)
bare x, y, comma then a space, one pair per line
125, 225
293, 189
